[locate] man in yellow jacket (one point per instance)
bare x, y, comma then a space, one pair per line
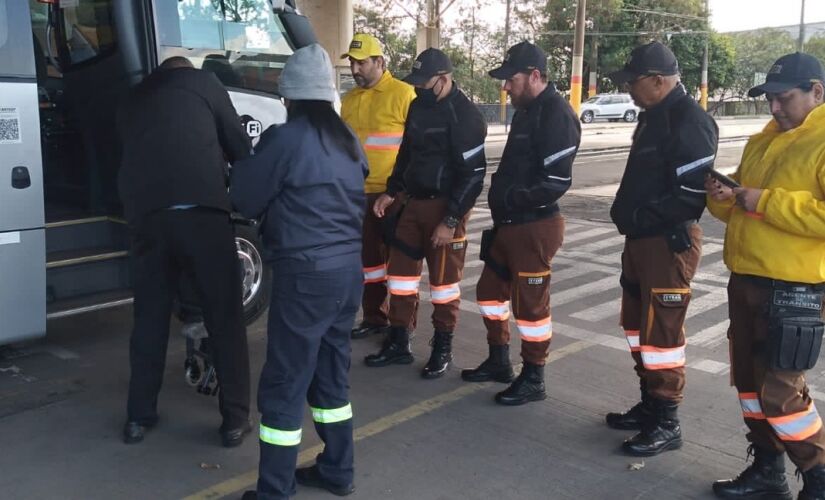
376, 110
775, 250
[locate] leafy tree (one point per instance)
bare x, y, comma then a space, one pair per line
816, 47
399, 44
756, 51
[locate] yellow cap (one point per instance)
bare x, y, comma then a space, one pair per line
363, 46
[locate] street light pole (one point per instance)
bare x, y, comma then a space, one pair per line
801, 43
503, 94
703, 100
578, 58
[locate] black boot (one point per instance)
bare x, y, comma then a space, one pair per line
441, 355
528, 386
813, 481
495, 368
634, 417
366, 329
764, 478
395, 351
661, 432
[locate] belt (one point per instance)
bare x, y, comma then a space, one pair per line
426, 196
524, 217
763, 282
659, 231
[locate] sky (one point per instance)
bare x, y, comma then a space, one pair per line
726, 15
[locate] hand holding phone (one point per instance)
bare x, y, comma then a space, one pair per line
723, 179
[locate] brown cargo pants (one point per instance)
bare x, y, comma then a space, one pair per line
374, 256
445, 265
655, 297
776, 404
526, 251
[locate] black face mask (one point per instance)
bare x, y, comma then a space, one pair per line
427, 96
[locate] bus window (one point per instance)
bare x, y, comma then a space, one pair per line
15, 40
242, 41
88, 30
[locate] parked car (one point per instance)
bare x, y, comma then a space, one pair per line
614, 107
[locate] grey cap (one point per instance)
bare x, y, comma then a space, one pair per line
307, 76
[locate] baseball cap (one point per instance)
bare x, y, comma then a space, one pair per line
428, 64
789, 71
653, 58
363, 46
523, 56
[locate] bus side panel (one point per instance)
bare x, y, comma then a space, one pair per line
23, 285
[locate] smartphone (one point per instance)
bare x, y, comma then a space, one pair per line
723, 179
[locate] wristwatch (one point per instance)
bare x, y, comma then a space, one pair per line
450, 221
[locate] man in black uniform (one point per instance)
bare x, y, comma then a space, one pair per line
440, 168
178, 129
536, 170
659, 201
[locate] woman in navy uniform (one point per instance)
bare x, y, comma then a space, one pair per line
306, 182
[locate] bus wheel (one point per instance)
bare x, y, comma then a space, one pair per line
256, 277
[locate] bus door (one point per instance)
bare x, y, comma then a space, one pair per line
22, 238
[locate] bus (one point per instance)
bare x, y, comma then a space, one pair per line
64, 67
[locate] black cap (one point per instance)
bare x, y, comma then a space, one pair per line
428, 64
521, 57
790, 71
645, 60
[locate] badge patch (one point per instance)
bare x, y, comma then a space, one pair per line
672, 297
777, 68
800, 300
458, 245
417, 65
536, 280
356, 44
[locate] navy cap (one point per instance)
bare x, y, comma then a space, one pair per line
790, 71
428, 64
521, 57
647, 60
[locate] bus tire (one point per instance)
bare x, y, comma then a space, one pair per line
256, 275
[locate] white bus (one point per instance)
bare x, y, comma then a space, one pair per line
64, 66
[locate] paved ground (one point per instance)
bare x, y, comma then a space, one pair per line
62, 403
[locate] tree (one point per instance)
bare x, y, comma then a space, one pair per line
816, 47
756, 51
721, 57
399, 44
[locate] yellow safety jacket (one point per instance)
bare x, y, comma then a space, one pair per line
377, 115
785, 237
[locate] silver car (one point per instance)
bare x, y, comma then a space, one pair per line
613, 107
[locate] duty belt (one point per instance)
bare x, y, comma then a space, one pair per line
532, 216
763, 282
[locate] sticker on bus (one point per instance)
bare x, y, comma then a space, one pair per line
9, 126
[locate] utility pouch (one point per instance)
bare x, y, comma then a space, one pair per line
678, 238
487, 238
796, 326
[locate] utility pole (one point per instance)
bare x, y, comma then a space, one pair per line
593, 87
429, 32
503, 94
801, 44
703, 89
578, 58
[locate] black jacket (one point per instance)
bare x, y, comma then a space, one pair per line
537, 163
442, 153
178, 129
663, 184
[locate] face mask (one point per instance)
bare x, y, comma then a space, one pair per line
427, 96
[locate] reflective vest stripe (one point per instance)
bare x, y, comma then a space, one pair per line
494, 310
535, 331
383, 141
797, 426
751, 407
445, 294
331, 415
694, 165
469, 154
375, 274
632, 337
558, 156
403, 285
662, 358
280, 437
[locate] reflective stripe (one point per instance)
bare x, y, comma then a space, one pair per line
798, 426
469, 154
494, 310
280, 437
403, 285
558, 156
694, 165
445, 293
375, 274
535, 331
699, 191
384, 141
331, 415
632, 337
563, 179
662, 358
751, 408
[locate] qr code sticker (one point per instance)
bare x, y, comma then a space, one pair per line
9, 130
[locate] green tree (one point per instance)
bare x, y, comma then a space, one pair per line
721, 57
816, 47
755, 53
399, 43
